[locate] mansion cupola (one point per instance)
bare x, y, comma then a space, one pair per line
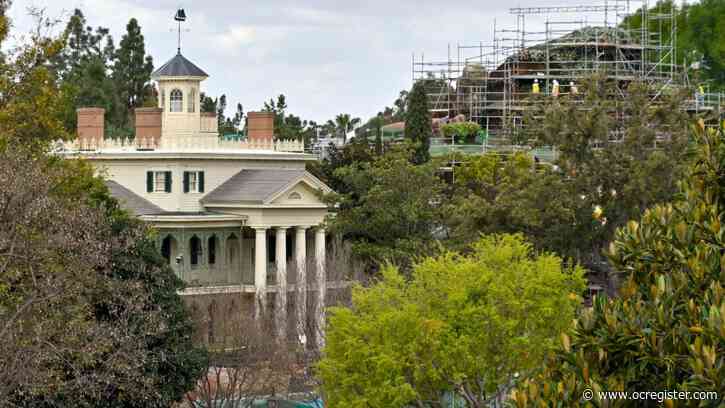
178, 81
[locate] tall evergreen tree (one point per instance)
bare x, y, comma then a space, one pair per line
221, 106
132, 68
379, 134
418, 123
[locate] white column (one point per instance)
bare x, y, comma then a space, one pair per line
321, 277
281, 260
301, 301
260, 270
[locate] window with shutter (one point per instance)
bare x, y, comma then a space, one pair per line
193, 182
158, 181
168, 182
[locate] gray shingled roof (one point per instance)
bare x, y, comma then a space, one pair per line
131, 201
178, 66
252, 185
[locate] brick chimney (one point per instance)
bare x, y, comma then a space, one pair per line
148, 127
90, 124
260, 126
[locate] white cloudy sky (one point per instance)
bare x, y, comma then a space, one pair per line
326, 56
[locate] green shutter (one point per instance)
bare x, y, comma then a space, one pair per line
149, 181
168, 182
186, 181
200, 181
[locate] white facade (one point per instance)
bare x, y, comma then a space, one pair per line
229, 219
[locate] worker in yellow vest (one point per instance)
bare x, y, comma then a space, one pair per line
700, 96
555, 88
535, 89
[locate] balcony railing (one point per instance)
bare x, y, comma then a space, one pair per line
186, 143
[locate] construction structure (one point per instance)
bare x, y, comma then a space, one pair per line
549, 52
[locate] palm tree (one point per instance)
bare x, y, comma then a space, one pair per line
345, 123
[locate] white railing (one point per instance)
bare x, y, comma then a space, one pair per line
184, 143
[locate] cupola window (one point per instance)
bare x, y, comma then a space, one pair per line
176, 101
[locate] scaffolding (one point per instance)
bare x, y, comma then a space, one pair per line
492, 83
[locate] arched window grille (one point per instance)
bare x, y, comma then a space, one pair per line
176, 101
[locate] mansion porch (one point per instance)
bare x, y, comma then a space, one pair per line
233, 259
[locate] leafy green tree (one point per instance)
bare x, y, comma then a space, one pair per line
496, 194
666, 331
465, 325
699, 31
418, 123
32, 108
88, 308
619, 155
132, 68
89, 311
89, 85
389, 208
463, 132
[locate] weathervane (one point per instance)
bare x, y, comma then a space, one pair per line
179, 17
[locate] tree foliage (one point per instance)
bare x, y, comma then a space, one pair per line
465, 325
699, 31
132, 68
88, 308
31, 107
618, 167
389, 207
461, 131
666, 331
89, 311
418, 123
288, 126
94, 73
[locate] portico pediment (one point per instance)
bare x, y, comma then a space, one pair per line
302, 192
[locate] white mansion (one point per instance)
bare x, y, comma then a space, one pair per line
230, 214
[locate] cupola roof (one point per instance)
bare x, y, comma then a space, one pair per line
179, 66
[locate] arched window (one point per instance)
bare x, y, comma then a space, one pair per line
295, 196
232, 250
192, 100
168, 248
176, 101
211, 249
194, 250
